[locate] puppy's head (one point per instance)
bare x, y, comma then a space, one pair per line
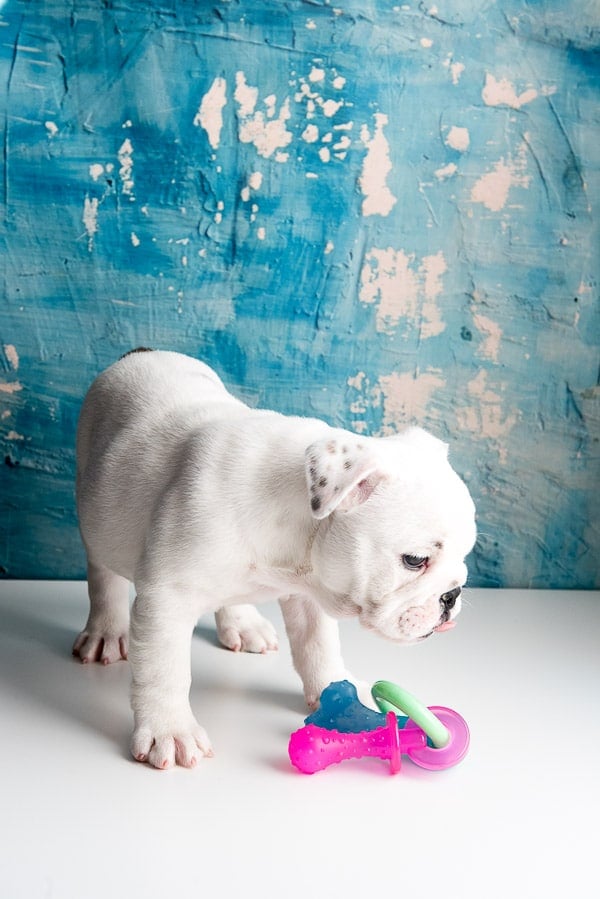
396, 525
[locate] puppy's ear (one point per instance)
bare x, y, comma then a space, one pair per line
341, 472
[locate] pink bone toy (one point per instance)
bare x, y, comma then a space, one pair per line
314, 748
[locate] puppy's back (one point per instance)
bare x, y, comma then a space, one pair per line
143, 390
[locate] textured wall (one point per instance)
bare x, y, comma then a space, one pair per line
369, 212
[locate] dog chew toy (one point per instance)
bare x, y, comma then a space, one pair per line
343, 728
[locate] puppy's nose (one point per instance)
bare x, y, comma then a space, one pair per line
448, 600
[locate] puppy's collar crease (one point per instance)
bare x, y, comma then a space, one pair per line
305, 568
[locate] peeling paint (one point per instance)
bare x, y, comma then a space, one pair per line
90, 219
400, 290
456, 69
502, 92
406, 397
267, 134
11, 354
125, 157
210, 112
10, 386
490, 347
367, 213
488, 418
310, 134
493, 188
446, 171
245, 96
458, 139
379, 200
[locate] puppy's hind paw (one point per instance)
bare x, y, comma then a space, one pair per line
243, 629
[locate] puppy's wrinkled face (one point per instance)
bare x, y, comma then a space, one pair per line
392, 550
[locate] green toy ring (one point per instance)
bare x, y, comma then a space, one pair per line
390, 697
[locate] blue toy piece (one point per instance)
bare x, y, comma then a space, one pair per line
342, 710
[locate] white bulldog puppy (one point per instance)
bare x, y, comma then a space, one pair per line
205, 504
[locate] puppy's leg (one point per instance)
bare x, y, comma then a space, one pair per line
315, 644
243, 628
165, 730
105, 636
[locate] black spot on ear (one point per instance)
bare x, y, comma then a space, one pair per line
323, 482
348, 464
315, 503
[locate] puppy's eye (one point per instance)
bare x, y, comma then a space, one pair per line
415, 563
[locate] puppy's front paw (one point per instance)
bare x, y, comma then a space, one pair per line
312, 702
313, 690
178, 742
243, 629
103, 645
313, 696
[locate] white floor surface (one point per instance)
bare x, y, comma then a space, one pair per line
519, 817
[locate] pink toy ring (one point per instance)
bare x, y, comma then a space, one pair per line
452, 753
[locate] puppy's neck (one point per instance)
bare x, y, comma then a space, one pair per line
305, 568
295, 573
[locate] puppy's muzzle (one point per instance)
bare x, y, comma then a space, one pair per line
448, 601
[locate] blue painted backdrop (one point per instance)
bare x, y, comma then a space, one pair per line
370, 212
